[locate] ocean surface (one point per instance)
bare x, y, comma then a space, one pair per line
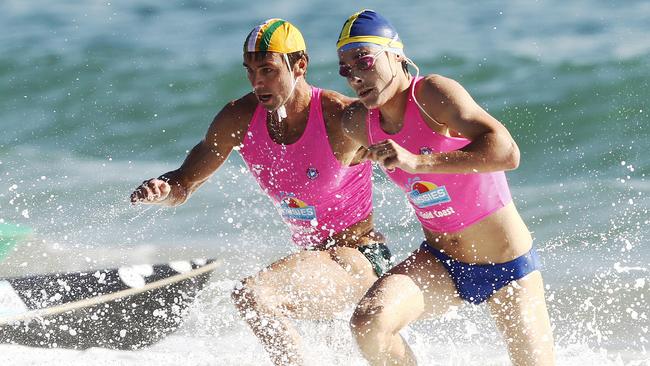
96, 96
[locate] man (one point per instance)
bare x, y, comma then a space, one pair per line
448, 155
290, 136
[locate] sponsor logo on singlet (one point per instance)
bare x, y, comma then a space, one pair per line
436, 214
312, 173
293, 208
425, 194
425, 150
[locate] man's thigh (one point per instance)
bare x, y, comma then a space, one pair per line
308, 285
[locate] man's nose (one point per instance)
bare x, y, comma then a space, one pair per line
256, 81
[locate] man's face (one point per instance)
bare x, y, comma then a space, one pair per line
270, 78
370, 72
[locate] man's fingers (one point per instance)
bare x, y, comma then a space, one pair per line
164, 190
155, 189
145, 192
138, 195
134, 197
151, 191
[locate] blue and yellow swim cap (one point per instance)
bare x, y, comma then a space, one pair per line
369, 28
275, 35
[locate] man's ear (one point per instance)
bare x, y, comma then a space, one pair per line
300, 67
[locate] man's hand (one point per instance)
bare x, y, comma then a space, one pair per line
391, 155
152, 191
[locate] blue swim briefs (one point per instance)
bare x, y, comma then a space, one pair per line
475, 283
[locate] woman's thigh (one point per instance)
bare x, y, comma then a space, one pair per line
417, 288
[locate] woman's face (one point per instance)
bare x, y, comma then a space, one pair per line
371, 72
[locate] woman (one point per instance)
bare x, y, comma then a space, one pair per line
449, 156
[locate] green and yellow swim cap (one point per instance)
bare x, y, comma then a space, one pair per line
275, 35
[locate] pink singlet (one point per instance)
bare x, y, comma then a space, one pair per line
316, 196
444, 203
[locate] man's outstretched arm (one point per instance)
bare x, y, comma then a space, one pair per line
225, 132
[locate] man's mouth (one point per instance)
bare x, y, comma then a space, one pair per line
264, 98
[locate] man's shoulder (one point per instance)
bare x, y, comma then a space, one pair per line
333, 105
355, 112
356, 107
244, 105
235, 116
340, 104
238, 113
334, 101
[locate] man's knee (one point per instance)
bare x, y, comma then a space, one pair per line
247, 298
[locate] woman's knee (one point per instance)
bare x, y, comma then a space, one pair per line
370, 327
370, 317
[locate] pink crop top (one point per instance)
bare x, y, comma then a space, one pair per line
444, 203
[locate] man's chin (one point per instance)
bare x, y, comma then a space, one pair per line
270, 107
